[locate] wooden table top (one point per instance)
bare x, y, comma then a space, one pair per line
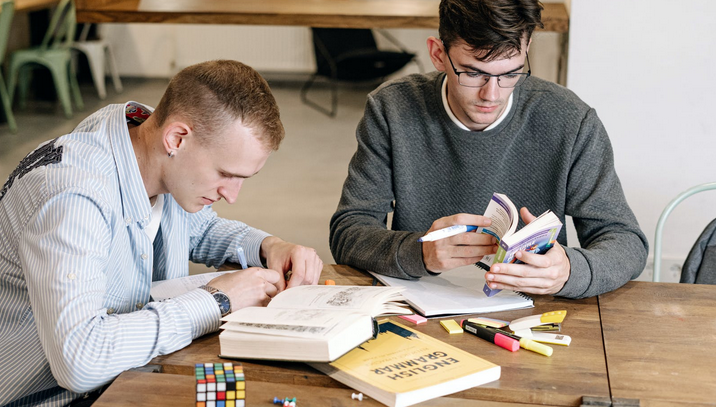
140, 389
659, 342
311, 13
560, 380
33, 5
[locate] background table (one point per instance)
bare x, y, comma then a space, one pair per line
312, 13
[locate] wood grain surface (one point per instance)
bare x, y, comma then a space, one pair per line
312, 13
659, 342
527, 377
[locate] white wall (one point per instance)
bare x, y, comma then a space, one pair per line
648, 67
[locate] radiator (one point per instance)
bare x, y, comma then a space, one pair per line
265, 48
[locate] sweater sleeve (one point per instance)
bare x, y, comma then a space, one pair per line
358, 235
613, 247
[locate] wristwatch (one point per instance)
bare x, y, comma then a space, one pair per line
221, 299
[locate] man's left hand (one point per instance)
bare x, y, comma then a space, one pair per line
540, 274
303, 262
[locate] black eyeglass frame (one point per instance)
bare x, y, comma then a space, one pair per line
489, 75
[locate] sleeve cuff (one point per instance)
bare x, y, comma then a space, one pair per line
579, 275
201, 310
410, 256
252, 247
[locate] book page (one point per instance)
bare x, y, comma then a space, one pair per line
368, 300
163, 289
302, 323
503, 214
457, 291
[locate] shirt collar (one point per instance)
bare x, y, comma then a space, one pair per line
459, 123
135, 200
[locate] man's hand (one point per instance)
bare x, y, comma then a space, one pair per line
253, 287
303, 262
459, 250
541, 273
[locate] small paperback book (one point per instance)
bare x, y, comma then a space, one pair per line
402, 367
313, 323
536, 237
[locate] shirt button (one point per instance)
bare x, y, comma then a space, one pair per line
71, 276
144, 256
128, 220
140, 305
110, 310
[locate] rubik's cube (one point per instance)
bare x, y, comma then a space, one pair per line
220, 385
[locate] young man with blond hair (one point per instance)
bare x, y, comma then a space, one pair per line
91, 218
434, 148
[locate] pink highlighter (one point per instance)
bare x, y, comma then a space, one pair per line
497, 338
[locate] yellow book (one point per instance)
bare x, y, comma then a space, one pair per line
403, 367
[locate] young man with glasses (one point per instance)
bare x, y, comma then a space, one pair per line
434, 148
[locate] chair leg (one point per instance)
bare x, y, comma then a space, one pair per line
7, 106
60, 77
24, 85
95, 57
75, 88
334, 97
113, 69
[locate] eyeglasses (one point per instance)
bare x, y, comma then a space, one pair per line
480, 79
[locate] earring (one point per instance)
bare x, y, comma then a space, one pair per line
171, 154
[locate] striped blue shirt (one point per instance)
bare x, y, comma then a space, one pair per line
76, 266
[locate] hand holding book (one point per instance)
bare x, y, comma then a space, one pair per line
524, 261
534, 273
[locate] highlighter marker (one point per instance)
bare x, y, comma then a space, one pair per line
525, 343
497, 338
534, 320
446, 232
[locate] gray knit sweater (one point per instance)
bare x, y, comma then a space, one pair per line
550, 152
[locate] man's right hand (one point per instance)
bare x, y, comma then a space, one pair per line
253, 287
459, 250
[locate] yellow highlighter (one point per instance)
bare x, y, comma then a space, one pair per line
534, 320
525, 343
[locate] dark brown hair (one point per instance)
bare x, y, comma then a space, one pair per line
211, 95
492, 28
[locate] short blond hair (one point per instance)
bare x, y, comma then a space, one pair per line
211, 95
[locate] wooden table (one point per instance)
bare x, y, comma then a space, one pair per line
660, 342
527, 377
312, 13
138, 389
33, 5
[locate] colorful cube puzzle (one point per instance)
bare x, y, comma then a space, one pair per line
220, 385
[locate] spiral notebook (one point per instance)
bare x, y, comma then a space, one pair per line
457, 291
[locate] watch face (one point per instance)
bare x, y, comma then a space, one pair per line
224, 302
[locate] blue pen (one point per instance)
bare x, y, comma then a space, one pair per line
447, 232
242, 258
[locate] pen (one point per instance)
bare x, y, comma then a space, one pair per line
497, 338
242, 258
447, 232
525, 343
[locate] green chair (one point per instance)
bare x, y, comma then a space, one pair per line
55, 53
6, 12
662, 220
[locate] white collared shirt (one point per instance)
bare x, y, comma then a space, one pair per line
459, 123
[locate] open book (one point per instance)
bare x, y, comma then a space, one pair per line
536, 237
309, 323
453, 292
402, 367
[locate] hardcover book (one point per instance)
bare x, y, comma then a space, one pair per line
309, 323
402, 367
